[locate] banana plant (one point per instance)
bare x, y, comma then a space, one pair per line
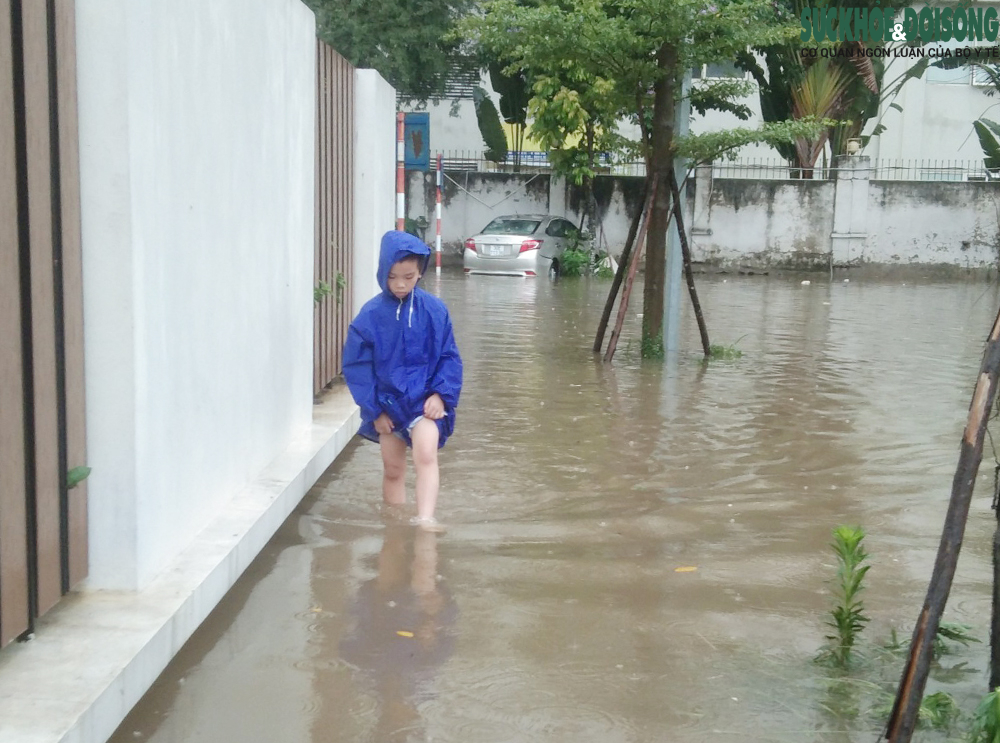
985, 130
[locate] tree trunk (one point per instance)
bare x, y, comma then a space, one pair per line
903, 718
662, 163
623, 261
633, 264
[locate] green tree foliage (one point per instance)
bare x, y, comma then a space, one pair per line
407, 41
597, 61
514, 92
494, 136
780, 71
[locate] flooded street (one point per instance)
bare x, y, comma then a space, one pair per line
634, 552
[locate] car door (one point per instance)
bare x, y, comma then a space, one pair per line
555, 236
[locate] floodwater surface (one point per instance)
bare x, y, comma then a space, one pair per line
634, 552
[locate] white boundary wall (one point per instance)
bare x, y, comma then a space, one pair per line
850, 221
197, 168
374, 178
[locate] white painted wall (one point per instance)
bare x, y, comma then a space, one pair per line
197, 172
767, 221
453, 125
951, 223
374, 178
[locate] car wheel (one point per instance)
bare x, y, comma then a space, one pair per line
554, 270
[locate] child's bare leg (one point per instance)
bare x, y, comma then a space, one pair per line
425, 460
394, 469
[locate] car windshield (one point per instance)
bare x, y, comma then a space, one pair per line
508, 226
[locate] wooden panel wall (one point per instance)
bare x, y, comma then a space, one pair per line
334, 210
42, 536
14, 614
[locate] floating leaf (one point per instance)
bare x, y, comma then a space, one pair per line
404, 633
686, 569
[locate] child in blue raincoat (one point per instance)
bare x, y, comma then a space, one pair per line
404, 372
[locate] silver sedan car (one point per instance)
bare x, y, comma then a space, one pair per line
519, 245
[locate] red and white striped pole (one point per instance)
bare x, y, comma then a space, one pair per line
437, 211
400, 172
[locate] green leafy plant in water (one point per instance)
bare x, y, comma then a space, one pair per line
986, 720
725, 353
847, 617
938, 710
574, 262
76, 475
601, 267
947, 632
954, 632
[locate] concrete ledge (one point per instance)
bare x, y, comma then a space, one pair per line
98, 652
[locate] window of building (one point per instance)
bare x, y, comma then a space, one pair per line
717, 70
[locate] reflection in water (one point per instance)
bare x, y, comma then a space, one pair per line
403, 630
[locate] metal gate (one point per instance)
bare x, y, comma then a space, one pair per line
43, 529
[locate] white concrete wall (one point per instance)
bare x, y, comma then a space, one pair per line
773, 222
456, 133
374, 178
470, 200
952, 223
197, 171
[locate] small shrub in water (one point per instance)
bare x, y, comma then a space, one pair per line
938, 710
574, 262
947, 631
986, 719
954, 632
725, 353
847, 617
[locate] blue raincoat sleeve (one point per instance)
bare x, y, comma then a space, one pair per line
359, 371
447, 377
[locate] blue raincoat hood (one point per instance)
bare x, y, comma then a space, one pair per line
395, 247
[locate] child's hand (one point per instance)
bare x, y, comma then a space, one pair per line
383, 424
434, 407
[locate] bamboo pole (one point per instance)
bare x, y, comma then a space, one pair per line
623, 261
688, 273
903, 718
995, 623
633, 265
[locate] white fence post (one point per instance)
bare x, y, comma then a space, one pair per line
850, 209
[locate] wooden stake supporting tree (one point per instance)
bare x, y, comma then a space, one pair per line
688, 273
903, 718
633, 266
623, 262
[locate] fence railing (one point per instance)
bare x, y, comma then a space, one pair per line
774, 169
526, 162
885, 169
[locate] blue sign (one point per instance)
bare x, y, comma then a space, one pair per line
416, 134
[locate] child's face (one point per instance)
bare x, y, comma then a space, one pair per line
403, 277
